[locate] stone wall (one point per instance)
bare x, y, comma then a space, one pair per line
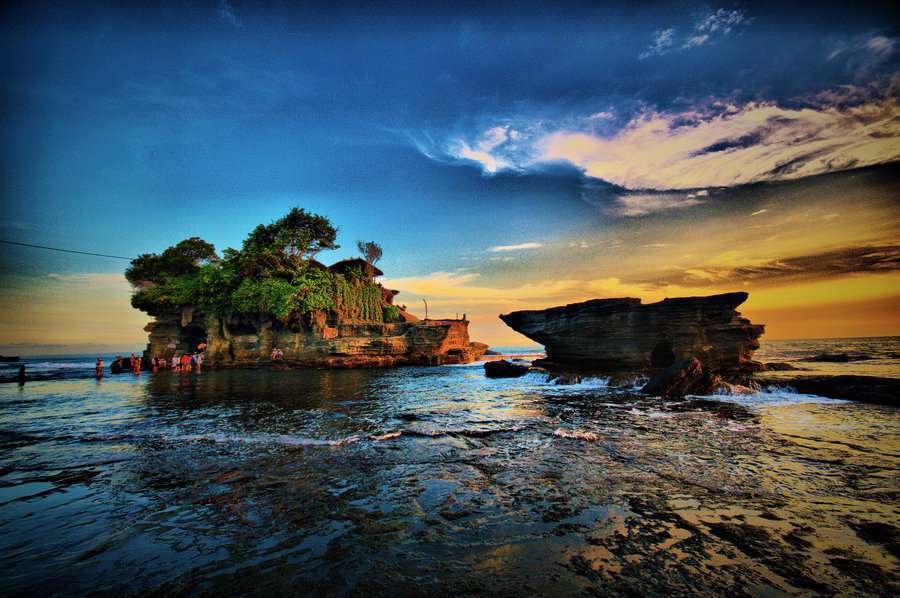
239, 342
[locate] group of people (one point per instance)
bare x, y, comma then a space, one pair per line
277, 354
178, 363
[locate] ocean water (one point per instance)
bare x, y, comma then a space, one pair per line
438, 480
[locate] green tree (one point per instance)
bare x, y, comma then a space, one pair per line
270, 274
370, 250
281, 248
182, 259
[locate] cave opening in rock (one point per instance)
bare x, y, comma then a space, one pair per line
190, 337
662, 355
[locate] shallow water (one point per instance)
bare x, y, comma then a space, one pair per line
419, 480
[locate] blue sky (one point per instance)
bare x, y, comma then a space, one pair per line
440, 132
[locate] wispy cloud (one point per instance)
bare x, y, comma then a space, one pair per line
758, 212
662, 43
227, 14
517, 247
864, 54
849, 260
641, 204
481, 150
719, 23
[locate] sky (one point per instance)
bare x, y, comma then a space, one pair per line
511, 156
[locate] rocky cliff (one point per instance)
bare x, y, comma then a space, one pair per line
314, 342
626, 335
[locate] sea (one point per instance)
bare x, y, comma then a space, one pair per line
437, 480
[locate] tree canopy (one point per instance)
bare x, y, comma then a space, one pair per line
179, 260
279, 249
271, 274
370, 250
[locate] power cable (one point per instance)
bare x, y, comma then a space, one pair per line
118, 257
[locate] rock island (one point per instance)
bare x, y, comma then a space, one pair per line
273, 297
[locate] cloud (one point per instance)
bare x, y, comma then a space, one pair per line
718, 144
758, 212
717, 24
641, 204
732, 145
850, 260
602, 115
662, 43
227, 14
864, 54
517, 247
721, 22
481, 150
579, 244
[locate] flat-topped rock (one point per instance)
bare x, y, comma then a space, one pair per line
625, 334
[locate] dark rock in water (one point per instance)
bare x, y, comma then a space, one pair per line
685, 377
120, 365
9, 358
605, 335
504, 369
779, 367
865, 389
839, 357
492, 352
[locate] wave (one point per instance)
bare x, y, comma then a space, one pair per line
774, 395
283, 439
289, 440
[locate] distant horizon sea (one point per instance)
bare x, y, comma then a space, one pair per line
501, 348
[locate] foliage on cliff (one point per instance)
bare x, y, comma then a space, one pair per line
272, 274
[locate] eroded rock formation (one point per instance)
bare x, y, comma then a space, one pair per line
616, 335
315, 342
